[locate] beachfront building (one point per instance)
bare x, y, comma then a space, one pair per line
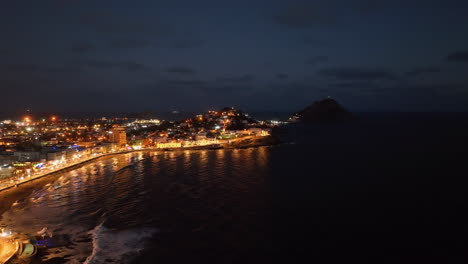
259, 132
6, 172
169, 145
118, 135
201, 142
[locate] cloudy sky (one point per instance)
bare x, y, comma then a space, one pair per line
258, 55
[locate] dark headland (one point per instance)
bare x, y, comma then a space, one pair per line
324, 111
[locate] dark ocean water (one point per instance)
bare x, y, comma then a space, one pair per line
382, 189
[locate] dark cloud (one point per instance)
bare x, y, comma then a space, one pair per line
366, 7
186, 44
130, 43
423, 71
26, 68
286, 95
307, 14
240, 79
434, 87
109, 23
193, 82
180, 70
230, 89
423, 89
460, 56
19, 69
314, 42
82, 47
357, 73
121, 28
21, 86
195, 86
66, 69
303, 15
316, 59
122, 65
282, 76
128, 32
355, 85
298, 88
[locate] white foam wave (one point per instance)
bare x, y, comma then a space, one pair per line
59, 207
117, 246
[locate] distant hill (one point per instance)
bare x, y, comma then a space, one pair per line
327, 110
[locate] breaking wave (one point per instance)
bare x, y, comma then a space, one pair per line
118, 246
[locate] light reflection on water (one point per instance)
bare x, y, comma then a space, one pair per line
140, 189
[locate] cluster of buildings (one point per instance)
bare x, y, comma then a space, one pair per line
34, 145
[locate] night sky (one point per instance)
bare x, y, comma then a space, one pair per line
258, 55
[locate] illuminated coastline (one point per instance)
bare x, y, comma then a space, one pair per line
32, 148
16, 181
80, 160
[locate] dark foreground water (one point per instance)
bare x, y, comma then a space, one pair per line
383, 189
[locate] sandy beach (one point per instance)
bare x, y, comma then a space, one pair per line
8, 197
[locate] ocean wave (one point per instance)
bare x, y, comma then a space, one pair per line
117, 246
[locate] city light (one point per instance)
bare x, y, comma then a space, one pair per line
5, 233
70, 142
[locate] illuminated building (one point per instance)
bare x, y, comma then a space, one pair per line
149, 121
169, 145
118, 135
87, 144
201, 142
6, 172
25, 156
259, 132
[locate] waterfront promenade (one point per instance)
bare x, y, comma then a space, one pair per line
21, 179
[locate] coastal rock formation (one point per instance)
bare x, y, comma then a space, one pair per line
327, 110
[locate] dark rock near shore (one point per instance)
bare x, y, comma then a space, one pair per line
327, 110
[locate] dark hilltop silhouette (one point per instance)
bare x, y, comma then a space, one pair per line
324, 111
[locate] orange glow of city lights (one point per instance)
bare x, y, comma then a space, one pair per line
54, 118
27, 119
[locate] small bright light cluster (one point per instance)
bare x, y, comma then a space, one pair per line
5, 233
